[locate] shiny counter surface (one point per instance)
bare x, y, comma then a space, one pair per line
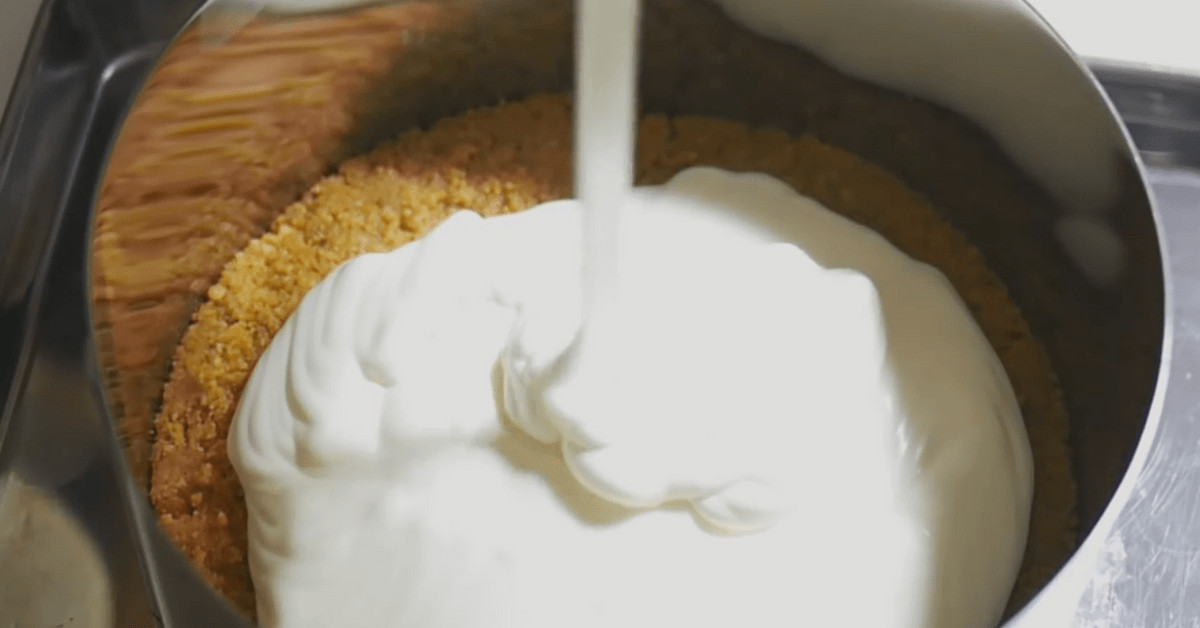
1145, 572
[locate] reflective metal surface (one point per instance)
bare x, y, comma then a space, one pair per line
1147, 556
74, 432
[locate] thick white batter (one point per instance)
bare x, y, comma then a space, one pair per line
781, 420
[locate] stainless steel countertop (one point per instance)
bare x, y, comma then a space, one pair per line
1148, 568
1145, 569
16, 20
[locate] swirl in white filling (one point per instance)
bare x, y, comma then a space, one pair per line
778, 419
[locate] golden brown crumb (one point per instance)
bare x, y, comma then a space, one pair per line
506, 159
